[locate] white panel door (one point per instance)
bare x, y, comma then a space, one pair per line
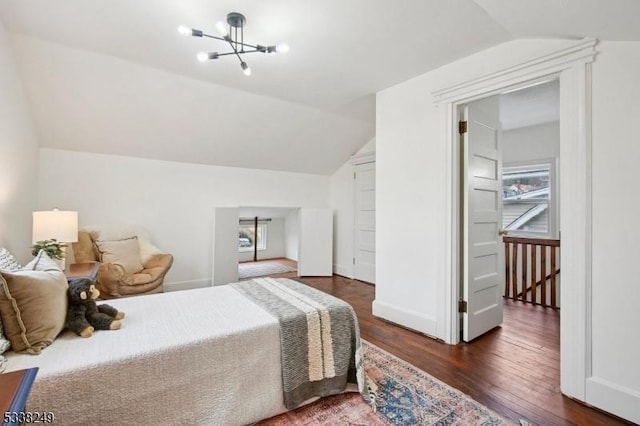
225, 246
482, 212
315, 243
364, 262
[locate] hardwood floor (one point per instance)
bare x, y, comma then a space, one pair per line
513, 369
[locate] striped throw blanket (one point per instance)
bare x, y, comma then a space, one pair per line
320, 339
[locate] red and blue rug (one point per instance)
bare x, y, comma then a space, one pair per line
406, 396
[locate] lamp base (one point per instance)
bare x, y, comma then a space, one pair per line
62, 262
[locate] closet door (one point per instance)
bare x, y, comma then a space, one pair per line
364, 259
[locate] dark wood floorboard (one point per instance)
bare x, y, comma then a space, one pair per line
513, 369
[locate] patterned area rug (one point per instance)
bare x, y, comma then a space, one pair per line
262, 268
406, 396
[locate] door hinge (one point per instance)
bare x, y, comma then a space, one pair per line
462, 306
462, 127
354, 175
354, 260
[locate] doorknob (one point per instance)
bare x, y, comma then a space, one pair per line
503, 232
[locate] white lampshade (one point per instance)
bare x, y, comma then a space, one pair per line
55, 224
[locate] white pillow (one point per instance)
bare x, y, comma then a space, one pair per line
42, 262
125, 253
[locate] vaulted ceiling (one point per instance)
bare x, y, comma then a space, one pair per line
115, 77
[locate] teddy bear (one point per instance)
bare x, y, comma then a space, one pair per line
84, 315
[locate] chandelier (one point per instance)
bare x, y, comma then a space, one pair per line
233, 34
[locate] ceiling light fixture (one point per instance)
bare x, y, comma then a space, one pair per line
234, 35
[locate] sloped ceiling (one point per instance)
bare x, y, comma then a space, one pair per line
115, 77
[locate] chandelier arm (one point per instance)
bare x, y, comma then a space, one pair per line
224, 39
212, 36
233, 53
248, 45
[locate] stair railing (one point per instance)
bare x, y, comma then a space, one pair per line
526, 279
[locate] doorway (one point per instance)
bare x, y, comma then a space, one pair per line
510, 148
267, 241
310, 232
571, 64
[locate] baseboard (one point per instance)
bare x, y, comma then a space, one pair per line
405, 318
615, 399
186, 285
343, 271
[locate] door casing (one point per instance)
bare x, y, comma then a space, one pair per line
572, 66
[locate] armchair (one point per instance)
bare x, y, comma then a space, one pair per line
125, 270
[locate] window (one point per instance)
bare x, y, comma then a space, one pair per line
528, 198
247, 237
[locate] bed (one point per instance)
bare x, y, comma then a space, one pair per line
209, 356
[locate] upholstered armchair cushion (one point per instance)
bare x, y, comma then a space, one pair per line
125, 253
150, 279
113, 279
84, 250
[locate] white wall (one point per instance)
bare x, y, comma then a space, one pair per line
225, 248
292, 234
411, 166
275, 242
410, 182
411, 174
19, 153
616, 205
174, 201
531, 143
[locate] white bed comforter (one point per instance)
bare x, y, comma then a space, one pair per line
199, 357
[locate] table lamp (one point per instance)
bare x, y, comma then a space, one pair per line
55, 224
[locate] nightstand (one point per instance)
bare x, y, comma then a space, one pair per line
14, 391
82, 270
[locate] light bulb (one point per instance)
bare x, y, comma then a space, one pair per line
245, 68
282, 48
222, 28
202, 56
184, 30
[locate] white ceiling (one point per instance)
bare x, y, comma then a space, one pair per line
531, 105
110, 76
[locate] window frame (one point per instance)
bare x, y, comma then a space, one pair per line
262, 233
552, 165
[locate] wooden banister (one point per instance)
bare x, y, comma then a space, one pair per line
538, 254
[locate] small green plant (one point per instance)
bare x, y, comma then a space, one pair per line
52, 247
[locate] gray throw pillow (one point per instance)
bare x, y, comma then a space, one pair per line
4, 343
7, 261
